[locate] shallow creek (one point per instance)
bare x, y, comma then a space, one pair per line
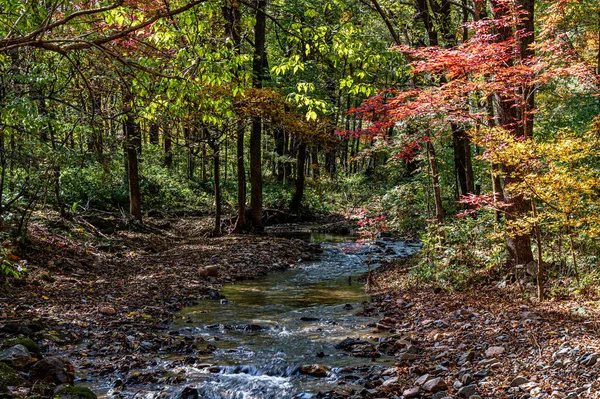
267, 328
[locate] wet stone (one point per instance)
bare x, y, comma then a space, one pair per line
313, 370
17, 356
189, 393
348, 343
52, 370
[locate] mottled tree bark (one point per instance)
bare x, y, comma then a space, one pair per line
518, 245
300, 178
131, 153
258, 69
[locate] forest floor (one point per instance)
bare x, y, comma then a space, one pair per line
485, 343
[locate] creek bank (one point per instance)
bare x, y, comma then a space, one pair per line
100, 308
480, 344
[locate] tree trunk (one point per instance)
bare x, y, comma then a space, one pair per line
287, 150
153, 133
598, 57
462, 159
217, 181
540, 263
435, 180
258, 69
300, 177
330, 162
314, 159
424, 15
233, 17
279, 137
47, 134
527, 25
519, 245
3, 165
168, 145
131, 153
240, 225
203, 163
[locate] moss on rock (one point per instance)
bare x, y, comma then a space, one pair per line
8, 376
28, 343
74, 392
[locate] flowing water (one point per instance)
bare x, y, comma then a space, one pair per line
268, 327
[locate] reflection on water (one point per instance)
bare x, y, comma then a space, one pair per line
270, 326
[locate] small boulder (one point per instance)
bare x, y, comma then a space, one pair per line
17, 356
435, 385
71, 392
209, 271
28, 343
52, 370
314, 370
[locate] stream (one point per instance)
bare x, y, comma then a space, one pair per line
266, 328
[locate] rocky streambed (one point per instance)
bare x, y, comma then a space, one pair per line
123, 333
304, 330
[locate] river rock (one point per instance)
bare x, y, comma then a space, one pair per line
348, 343
495, 351
390, 384
467, 391
411, 392
26, 329
52, 370
189, 393
435, 385
464, 358
518, 381
589, 360
209, 271
71, 392
385, 324
28, 343
423, 379
250, 327
314, 370
17, 356
107, 310
407, 356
